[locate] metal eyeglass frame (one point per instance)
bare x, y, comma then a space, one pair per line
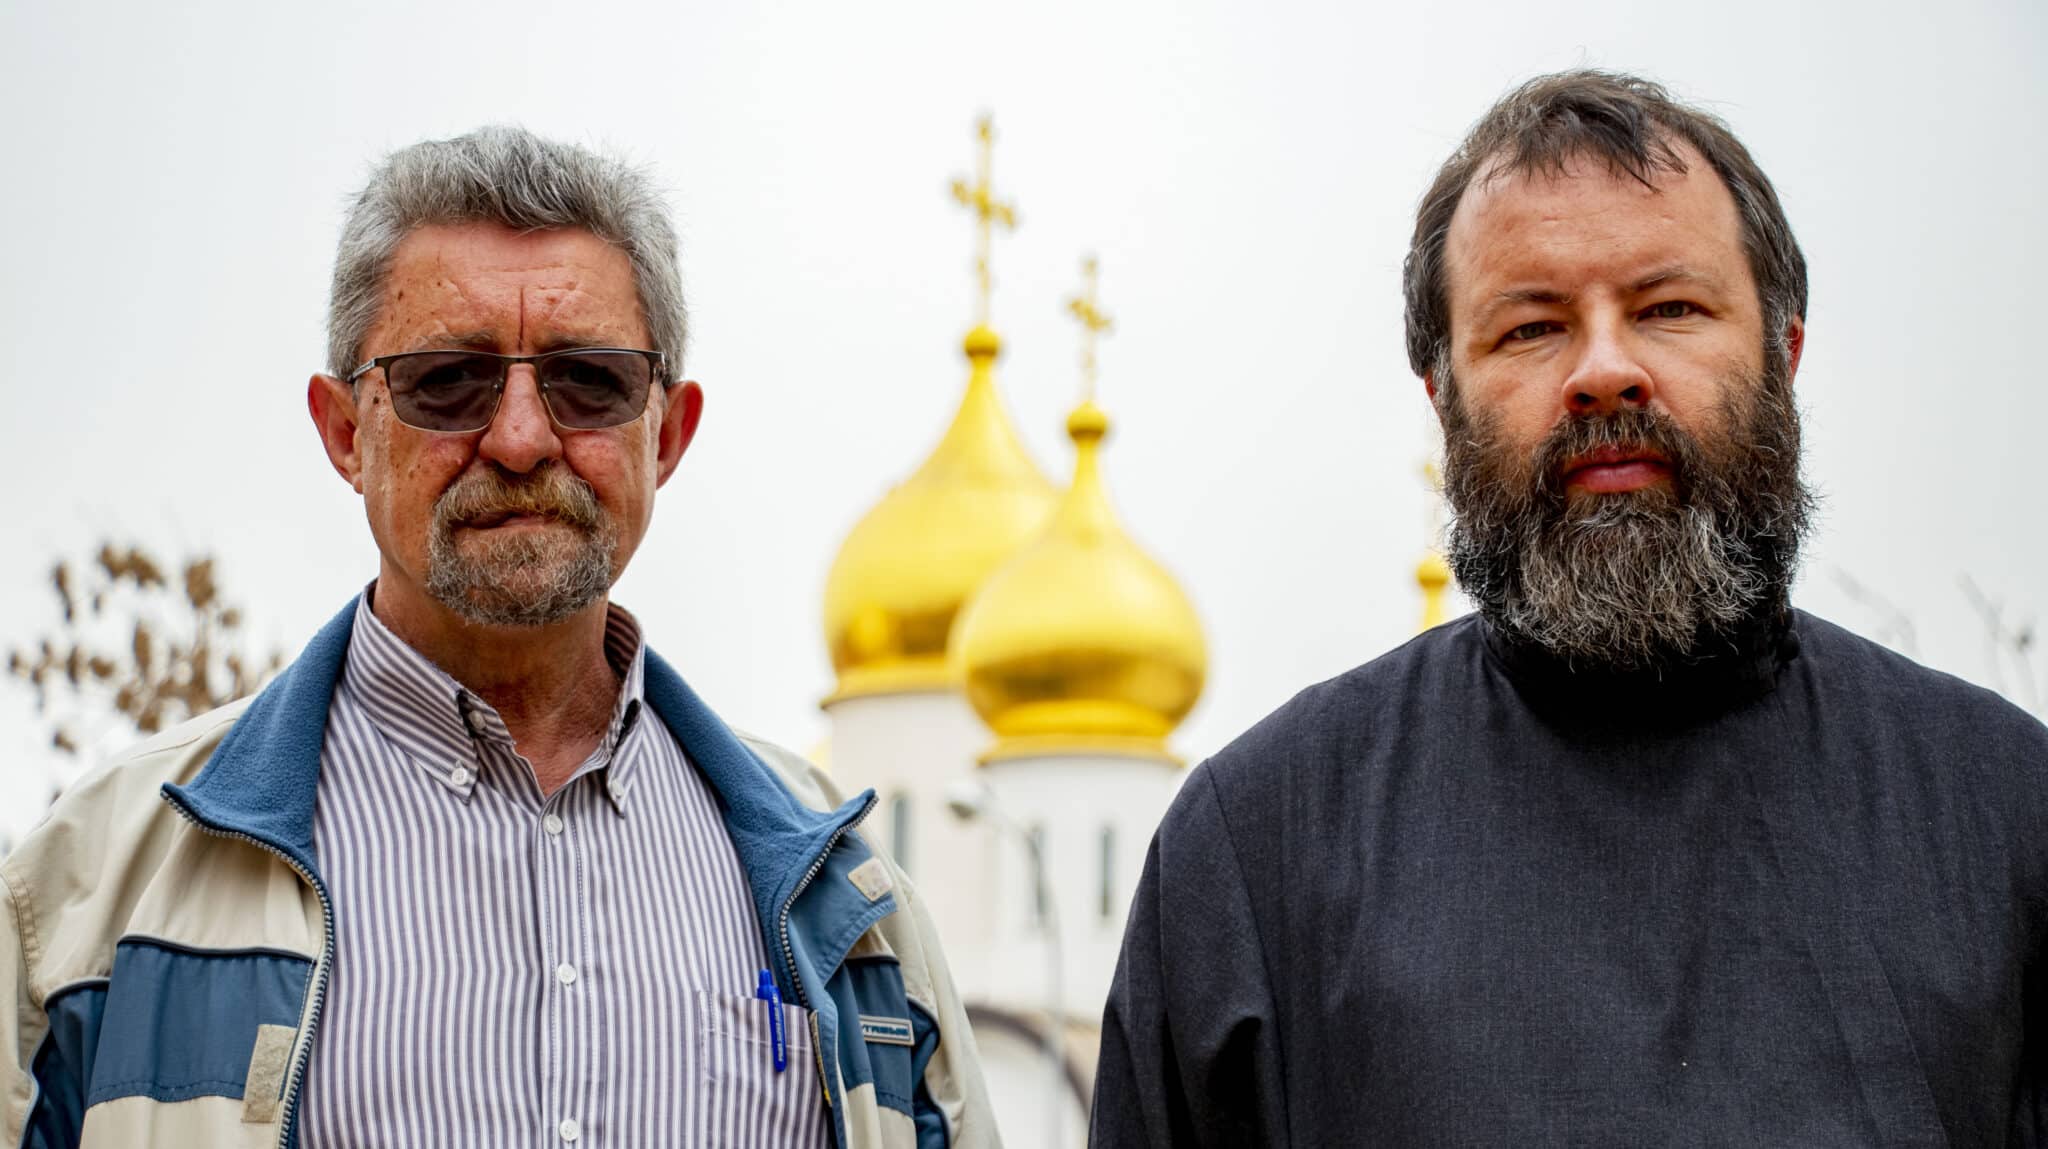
657, 360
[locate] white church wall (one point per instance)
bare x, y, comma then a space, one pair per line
910, 747
1034, 1105
978, 882
1096, 815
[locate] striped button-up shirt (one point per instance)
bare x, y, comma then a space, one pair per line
517, 970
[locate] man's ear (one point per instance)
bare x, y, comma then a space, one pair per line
333, 406
683, 406
1429, 388
1795, 344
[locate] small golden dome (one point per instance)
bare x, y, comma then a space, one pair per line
1082, 642
1433, 575
911, 564
982, 342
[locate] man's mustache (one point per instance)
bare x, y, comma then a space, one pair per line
1630, 429
549, 491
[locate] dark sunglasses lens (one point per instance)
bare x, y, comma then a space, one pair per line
444, 391
591, 389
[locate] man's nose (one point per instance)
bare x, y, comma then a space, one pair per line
521, 436
1608, 374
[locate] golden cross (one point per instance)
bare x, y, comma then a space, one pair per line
1085, 308
979, 197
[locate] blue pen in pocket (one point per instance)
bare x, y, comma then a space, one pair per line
768, 993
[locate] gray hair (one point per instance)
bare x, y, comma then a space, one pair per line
1633, 126
506, 175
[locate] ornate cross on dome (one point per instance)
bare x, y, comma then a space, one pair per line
979, 197
1094, 323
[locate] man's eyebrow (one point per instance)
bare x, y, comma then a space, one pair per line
570, 342
1669, 273
1673, 273
457, 341
1518, 295
487, 341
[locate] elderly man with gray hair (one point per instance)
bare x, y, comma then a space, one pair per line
479, 869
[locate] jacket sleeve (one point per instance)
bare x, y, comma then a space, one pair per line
33, 1114
1190, 1055
19, 1087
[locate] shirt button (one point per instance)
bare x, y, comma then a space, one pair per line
565, 973
459, 776
569, 1130
618, 790
552, 824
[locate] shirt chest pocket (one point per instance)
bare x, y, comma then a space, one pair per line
742, 1093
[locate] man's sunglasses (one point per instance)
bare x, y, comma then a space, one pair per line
585, 388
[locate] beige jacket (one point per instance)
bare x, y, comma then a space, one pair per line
164, 935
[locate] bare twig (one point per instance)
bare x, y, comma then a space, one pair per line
2006, 643
1894, 626
139, 645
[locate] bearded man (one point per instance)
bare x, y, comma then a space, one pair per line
479, 869
1638, 854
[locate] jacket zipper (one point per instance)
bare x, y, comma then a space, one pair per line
789, 951
320, 966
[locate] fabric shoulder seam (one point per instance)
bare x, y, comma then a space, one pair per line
1237, 866
139, 754
31, 943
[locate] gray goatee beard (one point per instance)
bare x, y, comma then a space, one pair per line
1636, 580
531, 577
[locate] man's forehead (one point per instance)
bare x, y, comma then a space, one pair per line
1588, 219
481, 284
482, 249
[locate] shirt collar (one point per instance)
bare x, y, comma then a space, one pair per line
437, 722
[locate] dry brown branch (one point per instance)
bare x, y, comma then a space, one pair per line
132, 645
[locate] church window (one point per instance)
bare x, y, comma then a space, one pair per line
1107, 892
899, 829
1040, 895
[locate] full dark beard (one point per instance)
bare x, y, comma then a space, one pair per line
1641, 579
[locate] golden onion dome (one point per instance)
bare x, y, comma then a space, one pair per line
912, 563
1433, 575
1082, 642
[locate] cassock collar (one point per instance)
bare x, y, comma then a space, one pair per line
1676, 694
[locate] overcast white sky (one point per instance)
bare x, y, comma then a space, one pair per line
1247, 172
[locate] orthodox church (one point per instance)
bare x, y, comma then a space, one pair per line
1010, 666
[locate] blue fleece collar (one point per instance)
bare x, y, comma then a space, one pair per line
262, 778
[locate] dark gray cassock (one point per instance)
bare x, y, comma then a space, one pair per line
1461, 896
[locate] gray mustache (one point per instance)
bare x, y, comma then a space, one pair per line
549, 491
